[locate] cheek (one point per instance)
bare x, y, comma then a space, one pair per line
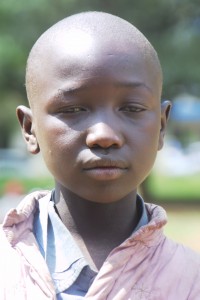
146, 132
51, 132
145, 143
152, 130
58, 142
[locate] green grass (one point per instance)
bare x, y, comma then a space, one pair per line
161, 188
185, 188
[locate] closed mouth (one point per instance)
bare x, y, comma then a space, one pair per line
105, 170
104, 164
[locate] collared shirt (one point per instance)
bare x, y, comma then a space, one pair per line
71, 274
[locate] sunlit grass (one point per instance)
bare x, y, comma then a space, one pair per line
184, 225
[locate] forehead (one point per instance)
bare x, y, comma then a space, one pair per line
76, 55
82, 53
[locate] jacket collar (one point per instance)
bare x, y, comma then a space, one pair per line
20, 219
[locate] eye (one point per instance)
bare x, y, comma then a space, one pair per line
72, 110
132, 108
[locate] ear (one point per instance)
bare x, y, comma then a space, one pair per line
25, 118
165, 112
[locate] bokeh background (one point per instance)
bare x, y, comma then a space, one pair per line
173, 27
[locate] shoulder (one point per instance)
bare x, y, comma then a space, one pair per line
25, 208
172, 260
183, 254
184, 267
20, 219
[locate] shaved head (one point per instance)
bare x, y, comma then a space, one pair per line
94, 85
76, 34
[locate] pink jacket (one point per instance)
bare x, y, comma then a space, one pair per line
147, 266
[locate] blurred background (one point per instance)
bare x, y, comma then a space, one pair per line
173, 27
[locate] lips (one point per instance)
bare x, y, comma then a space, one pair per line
102, 169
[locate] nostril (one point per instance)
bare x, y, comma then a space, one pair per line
103, 143
95, 146
102, 150
102, 136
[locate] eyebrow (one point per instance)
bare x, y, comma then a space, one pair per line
85, 86
134, 84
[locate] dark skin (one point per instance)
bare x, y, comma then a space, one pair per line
97, 228
97, 119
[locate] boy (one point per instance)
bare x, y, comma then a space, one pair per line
94, 85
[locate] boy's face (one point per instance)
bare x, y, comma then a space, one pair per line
97, 119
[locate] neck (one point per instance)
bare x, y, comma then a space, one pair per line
99, 226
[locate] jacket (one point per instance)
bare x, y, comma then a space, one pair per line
146, 266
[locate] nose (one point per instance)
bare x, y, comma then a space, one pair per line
104, 136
